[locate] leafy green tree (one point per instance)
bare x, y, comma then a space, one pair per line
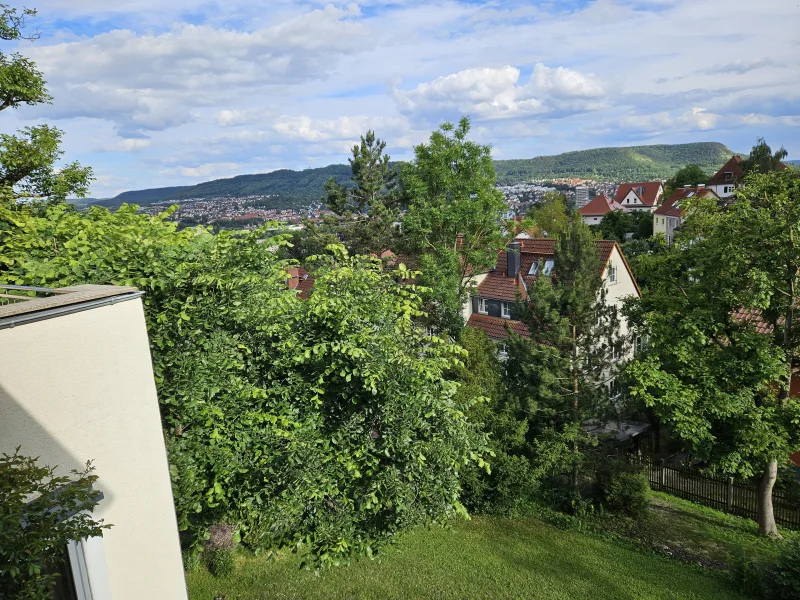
29, 159
616, 224
723, 336
326, 424
551, 214
511, 482
692, 175
563, 374
40, 513
454, 217
762, 159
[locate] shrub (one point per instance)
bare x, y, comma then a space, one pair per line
624, 491
33, 534
787, 572
221, 561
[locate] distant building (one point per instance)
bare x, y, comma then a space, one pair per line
581, 196
723, 182
668, 217
645, 195
594, 212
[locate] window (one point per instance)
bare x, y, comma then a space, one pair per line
613, 388
505, 310
502, 350
612, 274
548, 266
534, 268
614, 352
482, 306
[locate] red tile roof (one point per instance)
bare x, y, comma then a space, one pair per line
300, 280
670, 207
497, 285
495, 327
648, 193
733, 166
599, 206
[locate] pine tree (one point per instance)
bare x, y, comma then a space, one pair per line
563, 375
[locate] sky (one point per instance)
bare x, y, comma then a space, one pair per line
152, 93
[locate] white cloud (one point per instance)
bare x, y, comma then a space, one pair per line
696, 119
207, 170
493, 93
128, 145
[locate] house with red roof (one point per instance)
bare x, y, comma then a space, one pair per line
723, 182
492, 307
300, 280
644, 195
668, 217
594, 212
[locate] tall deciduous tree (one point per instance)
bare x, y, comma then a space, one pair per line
454, 217
762, 159
550, 215
689, 175
563, 375
724, 339
29, 159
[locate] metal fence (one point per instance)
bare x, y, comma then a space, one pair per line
721, 493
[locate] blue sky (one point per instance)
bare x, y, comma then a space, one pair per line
154, 92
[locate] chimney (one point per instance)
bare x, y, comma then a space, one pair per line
512, 259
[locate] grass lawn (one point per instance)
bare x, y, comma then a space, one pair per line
707, 536
482, 558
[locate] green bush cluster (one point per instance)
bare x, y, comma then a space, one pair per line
625, 491
776, 579
327, 424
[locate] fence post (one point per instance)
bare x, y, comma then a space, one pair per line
661, 476
729, 496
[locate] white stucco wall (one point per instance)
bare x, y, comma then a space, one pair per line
79, 387
625, 286
592, 220
720, 190
466, 309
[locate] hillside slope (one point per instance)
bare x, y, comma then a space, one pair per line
635, 163
288, 188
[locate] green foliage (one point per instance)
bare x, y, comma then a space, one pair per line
221, 562
710, 374
453, 218
35, 532
365, 208
692, 175
616, 223
762, 159
509, 487
636, 163
624, 491
560, 376
29, 159
770, 579
326, 424
550, 215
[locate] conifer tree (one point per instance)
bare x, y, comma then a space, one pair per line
563, 375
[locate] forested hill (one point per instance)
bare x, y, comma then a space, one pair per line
634, 163
289, 188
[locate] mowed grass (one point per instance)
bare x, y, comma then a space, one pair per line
482, 558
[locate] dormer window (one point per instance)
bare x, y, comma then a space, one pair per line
728, 176
505, 310
483, 307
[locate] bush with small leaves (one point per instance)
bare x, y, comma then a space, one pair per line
34, 533
624, 491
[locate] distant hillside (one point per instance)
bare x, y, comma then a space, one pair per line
636, 163
289, 188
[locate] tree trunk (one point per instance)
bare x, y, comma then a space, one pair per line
766, 516
575, 407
